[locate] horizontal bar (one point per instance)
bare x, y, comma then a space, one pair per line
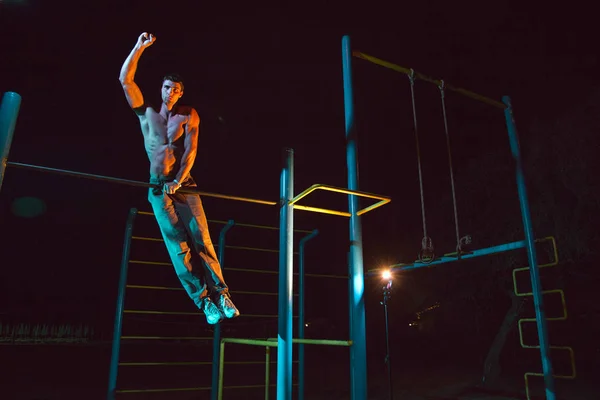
179, 289
321, 210
250, 342
258, 271
152, 287
151, 364
323, 342
256, 293
192, 313
216, 221
150, 262
445, 259
437, 82
147, 239
163, 390
261, 271
135, 183
252, 386
272, 342
383, 200
150, 239
192, 363
166, 337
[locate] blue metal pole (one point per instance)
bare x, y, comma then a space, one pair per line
217, 329
358, 350
301, 297
116, 344
286, 277
9, 111
531, 253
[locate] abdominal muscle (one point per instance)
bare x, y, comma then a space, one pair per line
162, 161
164, 146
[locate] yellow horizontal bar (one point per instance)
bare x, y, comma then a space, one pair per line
144, 364
149, 262
152, 287
407, 71
324, 342
258, 271
252, 386
166, 337
322, 210
227, 246
256, 293
163, 390
262, 271
217, 221
272, 342
383, 200
254, 249
192, 313
147, 239
274, 228
250, 342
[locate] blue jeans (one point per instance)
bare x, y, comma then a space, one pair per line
184, 228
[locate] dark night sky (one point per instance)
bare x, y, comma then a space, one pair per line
262, 79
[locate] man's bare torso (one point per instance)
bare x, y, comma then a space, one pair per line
164, 137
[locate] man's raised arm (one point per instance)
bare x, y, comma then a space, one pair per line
132, 91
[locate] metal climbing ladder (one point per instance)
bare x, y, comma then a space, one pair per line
563, 317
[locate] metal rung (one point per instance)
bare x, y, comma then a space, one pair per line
166, 337
192, 389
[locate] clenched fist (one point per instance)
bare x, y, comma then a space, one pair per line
145, 40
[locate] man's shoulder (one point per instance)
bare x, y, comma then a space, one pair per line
186, 110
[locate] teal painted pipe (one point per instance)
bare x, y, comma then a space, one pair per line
9, 111
286, 276
534, 271
116, 344
358, 350
301, 309
217, 329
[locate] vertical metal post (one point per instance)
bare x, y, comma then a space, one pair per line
9, 111
221, 368
267, 371
217, 329
531, 252
116, 344
286, 276
387, 291
358, 350
301, 322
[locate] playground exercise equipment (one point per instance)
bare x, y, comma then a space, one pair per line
287, 203
426, 256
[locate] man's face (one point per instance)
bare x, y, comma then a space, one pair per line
171, 92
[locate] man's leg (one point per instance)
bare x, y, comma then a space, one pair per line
192, 212
176, 238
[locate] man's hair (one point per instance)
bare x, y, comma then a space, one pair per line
174, 78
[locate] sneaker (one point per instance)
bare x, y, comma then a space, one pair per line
227, 307
212, 312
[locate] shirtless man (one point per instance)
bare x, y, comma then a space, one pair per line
171, 140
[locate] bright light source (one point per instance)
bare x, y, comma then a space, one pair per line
387, 274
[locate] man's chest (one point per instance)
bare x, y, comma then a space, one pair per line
167, 129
